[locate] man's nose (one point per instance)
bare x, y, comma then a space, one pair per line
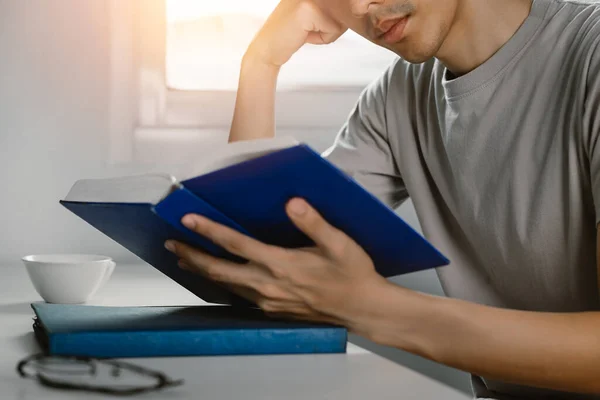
360, 8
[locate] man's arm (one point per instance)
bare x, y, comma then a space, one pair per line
548, 350
254, 116
292, 24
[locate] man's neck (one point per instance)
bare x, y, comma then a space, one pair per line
480, 29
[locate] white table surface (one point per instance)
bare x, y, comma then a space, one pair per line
358, 374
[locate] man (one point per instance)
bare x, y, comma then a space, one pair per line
491, 123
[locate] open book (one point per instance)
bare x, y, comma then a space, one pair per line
245, 185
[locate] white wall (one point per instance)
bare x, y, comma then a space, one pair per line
54, 85
53, 118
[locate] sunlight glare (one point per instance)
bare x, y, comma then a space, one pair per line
179, 10
206, 41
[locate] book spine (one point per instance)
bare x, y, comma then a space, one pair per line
199, 343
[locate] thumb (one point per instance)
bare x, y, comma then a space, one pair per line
310, 222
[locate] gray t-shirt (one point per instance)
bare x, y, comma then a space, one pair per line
502, 164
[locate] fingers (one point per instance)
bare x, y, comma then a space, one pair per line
320, 27
245, 292
324, 36
315, 19
231, 240
216, 269
329, 239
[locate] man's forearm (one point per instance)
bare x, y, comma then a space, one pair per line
554, 351
254, 115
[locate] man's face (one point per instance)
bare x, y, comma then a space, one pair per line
413, 29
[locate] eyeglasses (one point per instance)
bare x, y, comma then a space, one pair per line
93, 375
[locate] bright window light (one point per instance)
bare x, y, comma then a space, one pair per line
206, 40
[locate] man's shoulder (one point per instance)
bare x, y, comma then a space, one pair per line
581, 17
574, 6
570, 36
578, 3
584, 24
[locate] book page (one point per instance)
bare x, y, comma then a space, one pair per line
150, 188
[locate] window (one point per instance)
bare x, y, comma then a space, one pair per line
175, 66
206, 41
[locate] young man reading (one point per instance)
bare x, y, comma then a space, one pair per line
490, 122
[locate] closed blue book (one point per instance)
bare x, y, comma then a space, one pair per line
249, 195
117, 332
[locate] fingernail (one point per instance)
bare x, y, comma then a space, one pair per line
189, 221
182, 264
169, 245
298, 207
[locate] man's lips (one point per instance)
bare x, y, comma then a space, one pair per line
391, 30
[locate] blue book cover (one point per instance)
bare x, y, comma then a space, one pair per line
250, 196
118, 332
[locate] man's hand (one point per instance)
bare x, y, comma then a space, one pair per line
291, 25
330, 283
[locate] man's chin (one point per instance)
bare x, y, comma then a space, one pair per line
413, 54
414, 58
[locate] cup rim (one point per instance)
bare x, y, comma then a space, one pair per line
63, 258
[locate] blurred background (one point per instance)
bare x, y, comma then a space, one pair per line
100, 88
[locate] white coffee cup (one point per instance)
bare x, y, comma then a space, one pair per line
68, 278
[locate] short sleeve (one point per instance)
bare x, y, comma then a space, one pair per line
591, 124
362, 149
